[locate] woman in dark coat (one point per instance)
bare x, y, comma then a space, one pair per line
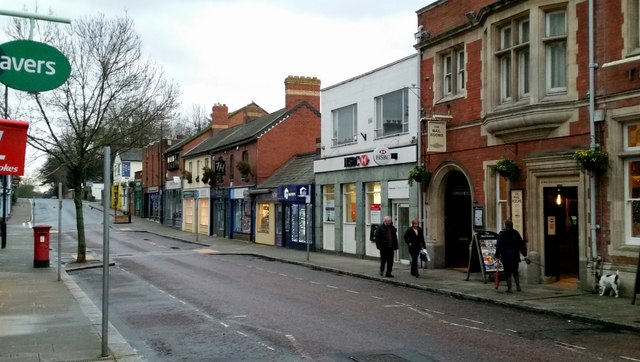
414, 237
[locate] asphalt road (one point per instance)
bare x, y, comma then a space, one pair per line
175, 301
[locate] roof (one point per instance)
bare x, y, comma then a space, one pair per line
298, 171
237, 134
134, 154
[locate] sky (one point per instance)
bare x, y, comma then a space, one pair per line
240, 51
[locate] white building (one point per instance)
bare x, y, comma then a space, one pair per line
369, 145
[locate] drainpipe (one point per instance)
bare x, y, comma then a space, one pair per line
419, 141
592, 182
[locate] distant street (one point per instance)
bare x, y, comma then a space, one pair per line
178, 301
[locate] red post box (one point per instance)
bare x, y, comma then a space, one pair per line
41, 246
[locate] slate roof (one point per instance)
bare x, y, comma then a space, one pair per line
298, 171
240, 134
134, 154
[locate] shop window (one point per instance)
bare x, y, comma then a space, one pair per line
374, 200
203, 212
188, 211
329, 203
632, 183
349, 204
344, 125
263, 218
241, 216
392, 113
502, 211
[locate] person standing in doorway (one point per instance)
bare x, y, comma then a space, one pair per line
508, 249
414, 238
387, 243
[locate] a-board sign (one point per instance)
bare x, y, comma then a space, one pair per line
482, 254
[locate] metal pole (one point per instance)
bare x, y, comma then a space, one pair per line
105, 256
3, 225
59, 227
592, 181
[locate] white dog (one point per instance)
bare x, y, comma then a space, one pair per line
608, 281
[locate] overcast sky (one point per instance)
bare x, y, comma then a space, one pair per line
238, 51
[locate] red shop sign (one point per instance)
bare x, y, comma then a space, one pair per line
13, 146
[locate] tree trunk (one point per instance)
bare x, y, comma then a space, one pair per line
77, 200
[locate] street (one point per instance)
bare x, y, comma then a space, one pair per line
179, 301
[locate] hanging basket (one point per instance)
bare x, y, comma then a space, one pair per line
592, 160
420, 175
508, 169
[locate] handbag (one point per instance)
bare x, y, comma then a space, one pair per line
424, 256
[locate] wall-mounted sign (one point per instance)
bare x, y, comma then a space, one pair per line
381, 155
436, 136
356, 161
13, 145
32, 66
296, 193
220, 167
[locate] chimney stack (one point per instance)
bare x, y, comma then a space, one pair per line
298, 89
219, 117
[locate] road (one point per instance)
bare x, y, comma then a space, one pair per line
178, 301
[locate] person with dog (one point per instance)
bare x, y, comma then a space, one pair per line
387, 243
415, 240
508, 249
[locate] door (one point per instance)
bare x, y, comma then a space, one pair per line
561, 231
458, 220
402, 221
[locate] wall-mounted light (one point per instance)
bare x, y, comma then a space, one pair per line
414, 139
559, 198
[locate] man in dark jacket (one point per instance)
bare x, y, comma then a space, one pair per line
508, 249
415, 240
387, 243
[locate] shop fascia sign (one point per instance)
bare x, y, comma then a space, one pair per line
32, 66
381, 156
13, 145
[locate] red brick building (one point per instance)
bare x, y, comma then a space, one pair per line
244, 154
509, 81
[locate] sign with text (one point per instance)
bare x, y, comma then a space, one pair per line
32, 66
436, 136
13, 146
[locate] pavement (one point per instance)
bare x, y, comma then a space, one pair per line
46, 318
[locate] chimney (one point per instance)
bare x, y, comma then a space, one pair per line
219, 117
298, 89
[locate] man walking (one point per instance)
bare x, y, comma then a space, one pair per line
508, 249
387, 243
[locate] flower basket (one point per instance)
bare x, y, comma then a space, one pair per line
592, 160
420, 175
244, 168
187, 176
208, 176
508, 169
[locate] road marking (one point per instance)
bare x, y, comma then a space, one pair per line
224, 324
421, 312
240, 316
297, 347
312, 282
352, 291
568, 346
434, 311
332, 286
282, 275
298, 278
397, 305
376, 297
629, 358
472, 321
242, 334
512, 330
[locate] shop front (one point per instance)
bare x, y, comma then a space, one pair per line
295, 216
173, 203
240, 212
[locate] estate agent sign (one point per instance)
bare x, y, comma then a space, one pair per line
32, 66
13, 144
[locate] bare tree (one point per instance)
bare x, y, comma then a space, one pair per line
192, 123
114, 97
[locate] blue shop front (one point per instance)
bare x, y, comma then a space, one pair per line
294, 216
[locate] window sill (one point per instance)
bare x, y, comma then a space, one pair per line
451, 97
516, 123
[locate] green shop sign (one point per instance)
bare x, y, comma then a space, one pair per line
32, 66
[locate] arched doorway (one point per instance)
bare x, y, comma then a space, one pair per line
458, 229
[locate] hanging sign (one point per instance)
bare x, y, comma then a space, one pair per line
13, 146
436, 136
32, 66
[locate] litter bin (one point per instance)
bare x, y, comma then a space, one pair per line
41, 246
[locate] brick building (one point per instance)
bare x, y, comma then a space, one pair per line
510, 80
241, 155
